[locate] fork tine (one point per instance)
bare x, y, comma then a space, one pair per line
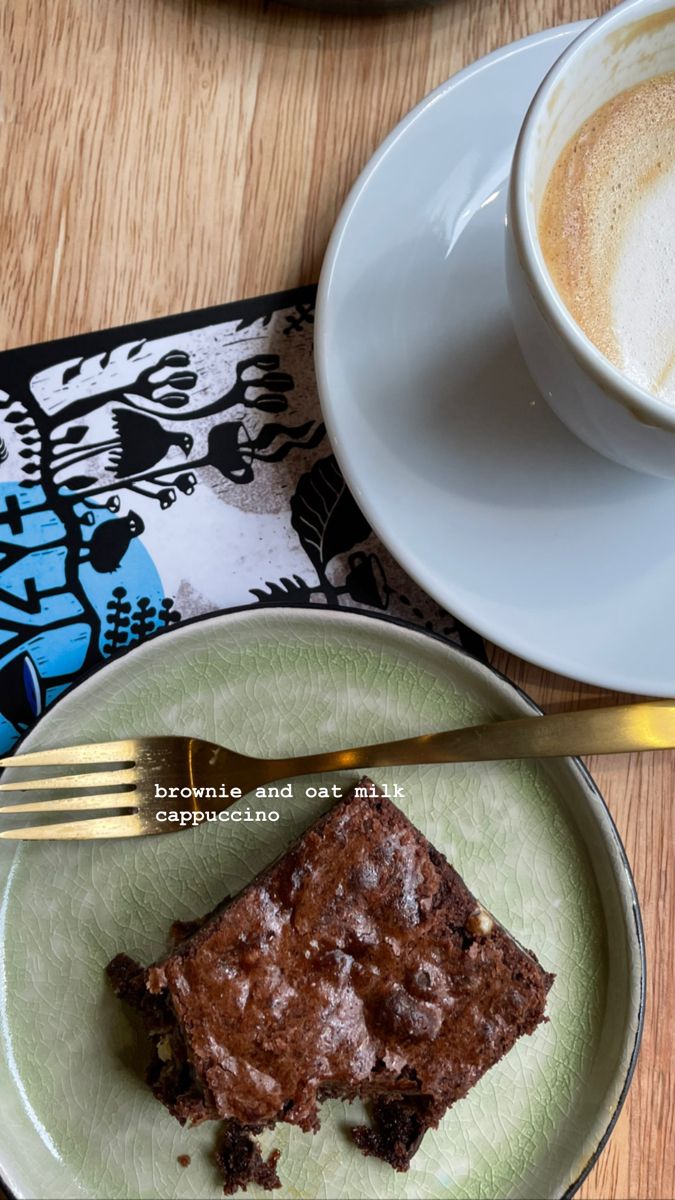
93, 779
74, 803
91, 752
130, 825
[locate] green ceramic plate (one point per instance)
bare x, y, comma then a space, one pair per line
535, 843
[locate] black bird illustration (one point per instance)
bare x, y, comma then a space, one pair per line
110, 541
141, 443
230, 450
105, 550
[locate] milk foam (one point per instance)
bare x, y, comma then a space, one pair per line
607, 230
645, 269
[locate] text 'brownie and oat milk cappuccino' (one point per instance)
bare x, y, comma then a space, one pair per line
607, 232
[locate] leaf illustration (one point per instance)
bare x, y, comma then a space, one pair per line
74, 434
72, 371
143, 620
325, 515
294, 590
117, 621
77, 482
270, 404
170, 399
4, 452
168, 615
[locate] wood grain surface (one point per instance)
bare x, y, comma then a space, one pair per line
160, 155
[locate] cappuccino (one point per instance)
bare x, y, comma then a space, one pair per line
607, 232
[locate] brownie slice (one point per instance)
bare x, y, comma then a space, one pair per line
358, 965
240, 1161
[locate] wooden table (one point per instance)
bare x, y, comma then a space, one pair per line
159, 155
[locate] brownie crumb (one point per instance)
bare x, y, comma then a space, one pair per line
398, 1128
240, 1161
184, 1160
128, 980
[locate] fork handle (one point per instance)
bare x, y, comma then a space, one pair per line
643, 726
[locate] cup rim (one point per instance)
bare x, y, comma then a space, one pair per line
650, 409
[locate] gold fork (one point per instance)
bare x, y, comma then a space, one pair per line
140, 773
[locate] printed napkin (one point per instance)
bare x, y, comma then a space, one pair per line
160, 471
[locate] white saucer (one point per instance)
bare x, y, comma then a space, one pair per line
484, 497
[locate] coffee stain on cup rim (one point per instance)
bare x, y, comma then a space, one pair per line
583, 351
620, 39
555, 97
645, 408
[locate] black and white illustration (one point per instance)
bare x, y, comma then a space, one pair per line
160, 471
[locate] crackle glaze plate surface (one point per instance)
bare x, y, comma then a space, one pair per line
534, 842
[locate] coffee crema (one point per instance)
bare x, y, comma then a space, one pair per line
607, 232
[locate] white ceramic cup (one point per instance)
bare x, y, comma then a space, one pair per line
633, 42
